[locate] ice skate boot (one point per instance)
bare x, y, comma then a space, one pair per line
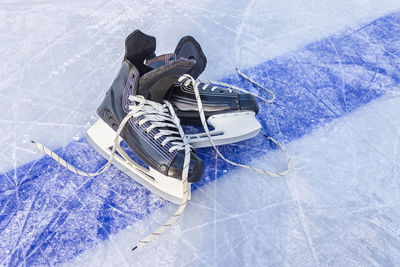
152, 133
224, 107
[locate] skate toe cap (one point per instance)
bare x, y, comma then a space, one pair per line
196, 167
248, 102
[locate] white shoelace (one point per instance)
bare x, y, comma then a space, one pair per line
160, 116
185, 186
157, 114
163, 115
187, 83
190, 82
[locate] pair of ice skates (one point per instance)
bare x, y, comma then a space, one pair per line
144, 108
145, 83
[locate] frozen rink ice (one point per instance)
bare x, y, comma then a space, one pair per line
335, 69
338, 207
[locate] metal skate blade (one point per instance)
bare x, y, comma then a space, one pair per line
101, 137
228, 128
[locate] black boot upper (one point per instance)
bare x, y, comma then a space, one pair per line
115, 107
215, 100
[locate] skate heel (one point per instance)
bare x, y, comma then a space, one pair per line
105, 113
110, 107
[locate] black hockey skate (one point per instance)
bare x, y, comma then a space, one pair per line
153, 133
216, 99
223, 107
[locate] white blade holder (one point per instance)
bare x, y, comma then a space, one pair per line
101, 137
228, 128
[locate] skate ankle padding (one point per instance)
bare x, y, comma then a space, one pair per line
155, 84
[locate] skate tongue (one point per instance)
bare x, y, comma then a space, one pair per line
189, 48
138, 47
155, 84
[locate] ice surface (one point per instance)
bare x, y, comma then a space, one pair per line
337, 206
59, 58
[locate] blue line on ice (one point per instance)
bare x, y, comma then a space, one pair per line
54, 214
